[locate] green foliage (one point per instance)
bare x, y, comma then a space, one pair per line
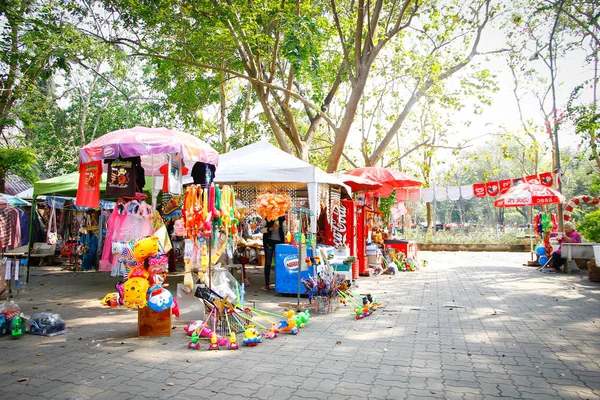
20, 162
385, 204
590, 226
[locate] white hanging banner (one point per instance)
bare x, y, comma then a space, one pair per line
453, 193
440, 194
427, 195
466, 192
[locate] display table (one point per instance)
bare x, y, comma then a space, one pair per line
408, 247
16, 255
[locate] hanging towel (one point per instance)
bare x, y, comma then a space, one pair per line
440, 194
427, 195
466, 192
414, 195
453, 193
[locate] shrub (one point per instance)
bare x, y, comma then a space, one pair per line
590, 226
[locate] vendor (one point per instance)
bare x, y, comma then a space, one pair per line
570, 236
273, 234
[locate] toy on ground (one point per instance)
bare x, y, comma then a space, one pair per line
251, 336
45, 323
4, 325
288, 325
17, 325
194, 342
302, 318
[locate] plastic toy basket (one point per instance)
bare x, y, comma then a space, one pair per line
325, 304
238, 325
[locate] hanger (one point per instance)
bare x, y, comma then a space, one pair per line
137, 196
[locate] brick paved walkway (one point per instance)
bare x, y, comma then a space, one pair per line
470, 326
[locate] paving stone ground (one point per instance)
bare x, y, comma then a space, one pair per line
469, 326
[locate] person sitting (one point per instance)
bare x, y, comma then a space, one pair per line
570, 236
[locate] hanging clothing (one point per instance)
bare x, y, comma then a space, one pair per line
90, 242
10, 227
165, 169
203, 174
88, 190
125, 177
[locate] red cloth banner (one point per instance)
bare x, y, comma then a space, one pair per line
517, 181
479, 190
504, 185
493, 188
533, 179
546, 179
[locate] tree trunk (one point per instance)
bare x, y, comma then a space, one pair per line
2, 180
223, 98
342, 132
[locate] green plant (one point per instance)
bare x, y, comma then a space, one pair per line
590, 226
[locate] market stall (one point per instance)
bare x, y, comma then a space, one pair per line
262, 168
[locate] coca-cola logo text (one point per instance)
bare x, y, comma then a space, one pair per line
338, 225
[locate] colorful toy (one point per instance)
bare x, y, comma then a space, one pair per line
145, 247
302, 318
17, 326
194, 342
136, 290
214, 345
45, 323
111, 300
232, 342
288, 325
4, 325
159, 299
251, 336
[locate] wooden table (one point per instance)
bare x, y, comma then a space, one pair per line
252, 246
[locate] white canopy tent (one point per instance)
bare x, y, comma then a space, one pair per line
261, 163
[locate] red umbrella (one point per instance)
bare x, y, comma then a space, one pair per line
390, 178
529, 194
357, 183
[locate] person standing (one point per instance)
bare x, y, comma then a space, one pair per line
273, 234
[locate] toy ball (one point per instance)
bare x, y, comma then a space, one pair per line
540, 251
159, 299
145, 247
543, 260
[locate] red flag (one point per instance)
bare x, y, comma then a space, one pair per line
479, 190
493, 188
504, 186
88, 191
517, 181
546, 179
532, 179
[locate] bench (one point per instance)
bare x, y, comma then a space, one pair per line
571, 251
42, 250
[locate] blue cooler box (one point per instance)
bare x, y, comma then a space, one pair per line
286, 269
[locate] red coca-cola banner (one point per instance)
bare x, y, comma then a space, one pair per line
504, 186
546, 179
339, 225
479, 190
493, 188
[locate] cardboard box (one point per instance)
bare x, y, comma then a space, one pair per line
153, 323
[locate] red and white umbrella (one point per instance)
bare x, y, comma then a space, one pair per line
529, 194
390, 178
357, 183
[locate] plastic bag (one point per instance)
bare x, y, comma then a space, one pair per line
190, 307
224, 284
